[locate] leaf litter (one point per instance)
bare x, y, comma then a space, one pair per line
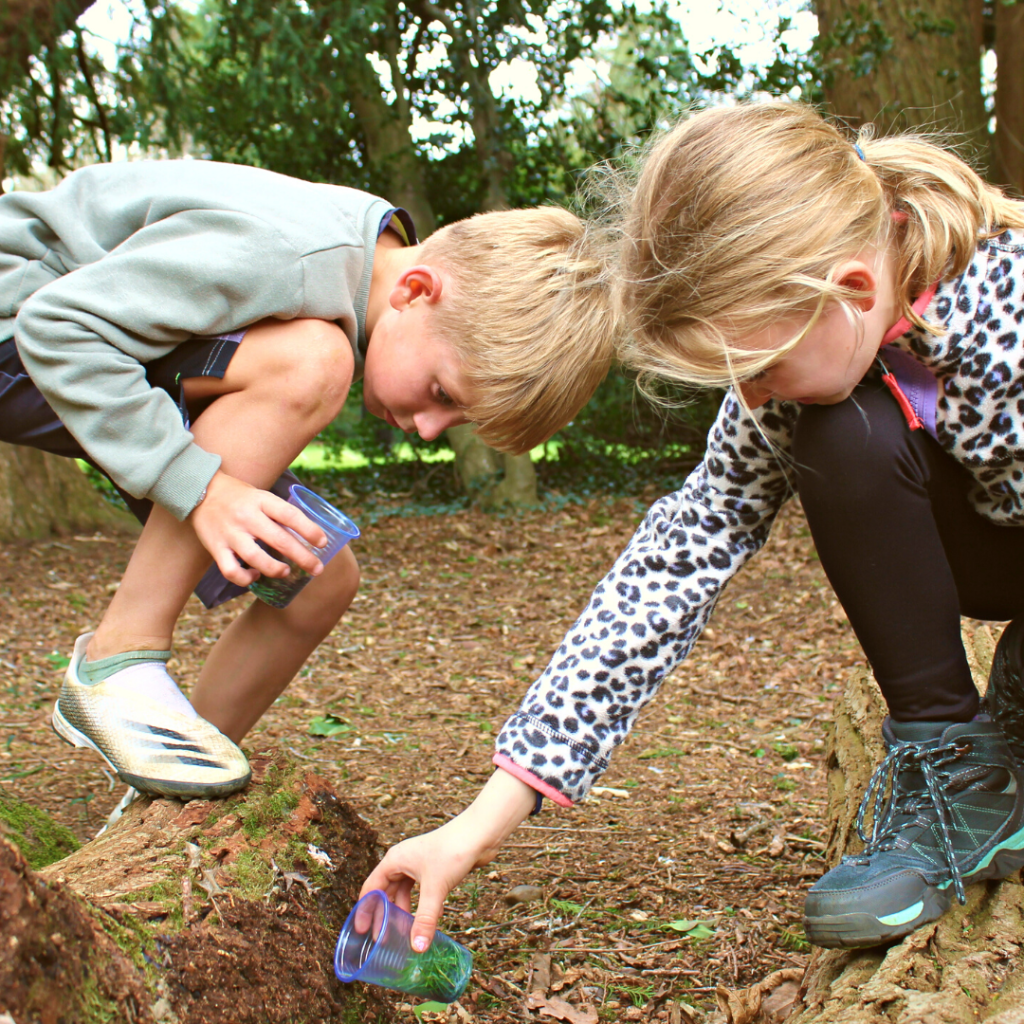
683, 872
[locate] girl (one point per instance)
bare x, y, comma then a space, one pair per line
865, 304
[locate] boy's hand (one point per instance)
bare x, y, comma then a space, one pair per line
234, 515
439, 860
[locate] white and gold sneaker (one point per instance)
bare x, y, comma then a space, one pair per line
151, 747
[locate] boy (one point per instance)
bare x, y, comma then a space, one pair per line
136, 297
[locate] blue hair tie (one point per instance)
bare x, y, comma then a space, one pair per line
859, 151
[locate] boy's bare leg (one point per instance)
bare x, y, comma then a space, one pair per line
285, 383
259, 654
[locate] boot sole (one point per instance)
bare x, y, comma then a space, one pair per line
852, 931
154, 787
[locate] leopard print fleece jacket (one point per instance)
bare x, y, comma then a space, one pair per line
644, 616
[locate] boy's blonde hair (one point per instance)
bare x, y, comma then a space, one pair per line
528, 312
741, 215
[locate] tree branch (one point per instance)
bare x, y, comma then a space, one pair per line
101, 111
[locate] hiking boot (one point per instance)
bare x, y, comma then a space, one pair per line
153, 749
1004, 699
947, 809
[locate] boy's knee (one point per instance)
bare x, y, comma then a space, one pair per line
307, 364
319, 368
327, 598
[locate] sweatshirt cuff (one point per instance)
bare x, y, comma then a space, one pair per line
523, 775
182, 483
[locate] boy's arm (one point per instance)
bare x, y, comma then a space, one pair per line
437, 861
85, 337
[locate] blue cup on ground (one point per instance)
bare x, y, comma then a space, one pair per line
279, 593
374, 947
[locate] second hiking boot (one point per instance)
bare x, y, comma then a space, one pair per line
947, 809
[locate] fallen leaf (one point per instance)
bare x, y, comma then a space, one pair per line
329, 725
210, 884
748, 1006
693, 929
561, 1010
541, 965
295, 877
319, 856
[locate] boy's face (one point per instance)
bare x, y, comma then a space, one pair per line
412, 379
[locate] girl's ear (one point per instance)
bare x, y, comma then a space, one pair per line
859, 277
419, 283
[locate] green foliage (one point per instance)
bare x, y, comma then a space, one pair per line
55, 110
329, 725
338, 92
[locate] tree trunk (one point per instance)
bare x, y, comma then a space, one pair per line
28, 25
1008, 142
43, 494
901, 64
967, 966
492, 478
390, 152
221, 912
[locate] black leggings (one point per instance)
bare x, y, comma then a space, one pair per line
903, 548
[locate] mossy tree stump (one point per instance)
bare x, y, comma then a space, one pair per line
221, 912
966, 967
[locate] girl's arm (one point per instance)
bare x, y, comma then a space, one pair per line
647, 612
639, 623
437, 861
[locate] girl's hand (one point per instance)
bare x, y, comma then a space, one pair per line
234, 515
439, 860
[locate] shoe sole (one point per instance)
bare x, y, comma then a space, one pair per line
852, 931
154, 787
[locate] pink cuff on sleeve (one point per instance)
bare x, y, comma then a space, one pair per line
506, 763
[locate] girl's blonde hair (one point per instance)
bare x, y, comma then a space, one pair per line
529, 315
741, 215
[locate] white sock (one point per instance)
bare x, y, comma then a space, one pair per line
150, 679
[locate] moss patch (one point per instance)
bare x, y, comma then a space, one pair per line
40, 839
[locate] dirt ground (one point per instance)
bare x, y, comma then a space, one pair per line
683, 871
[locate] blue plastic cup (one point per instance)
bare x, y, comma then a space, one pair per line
374, 947
279, 593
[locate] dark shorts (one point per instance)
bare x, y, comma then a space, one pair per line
26, 419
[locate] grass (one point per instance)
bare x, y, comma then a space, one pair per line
317, 457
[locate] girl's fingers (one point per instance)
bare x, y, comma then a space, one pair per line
428, 913
403, 893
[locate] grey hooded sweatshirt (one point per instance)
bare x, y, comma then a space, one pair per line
122, 262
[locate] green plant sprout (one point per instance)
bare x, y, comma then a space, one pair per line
278, 592
441, 973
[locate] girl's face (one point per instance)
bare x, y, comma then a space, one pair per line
834, 355
823, 369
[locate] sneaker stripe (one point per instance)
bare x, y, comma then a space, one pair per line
903, 916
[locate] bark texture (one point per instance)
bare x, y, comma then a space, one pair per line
221, 912
492, 478
27, 25
1008, 141
43, 494
902, 64
968, 966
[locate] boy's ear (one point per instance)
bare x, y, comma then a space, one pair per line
421, 282
858, 277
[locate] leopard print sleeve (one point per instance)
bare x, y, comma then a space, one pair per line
644, 616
